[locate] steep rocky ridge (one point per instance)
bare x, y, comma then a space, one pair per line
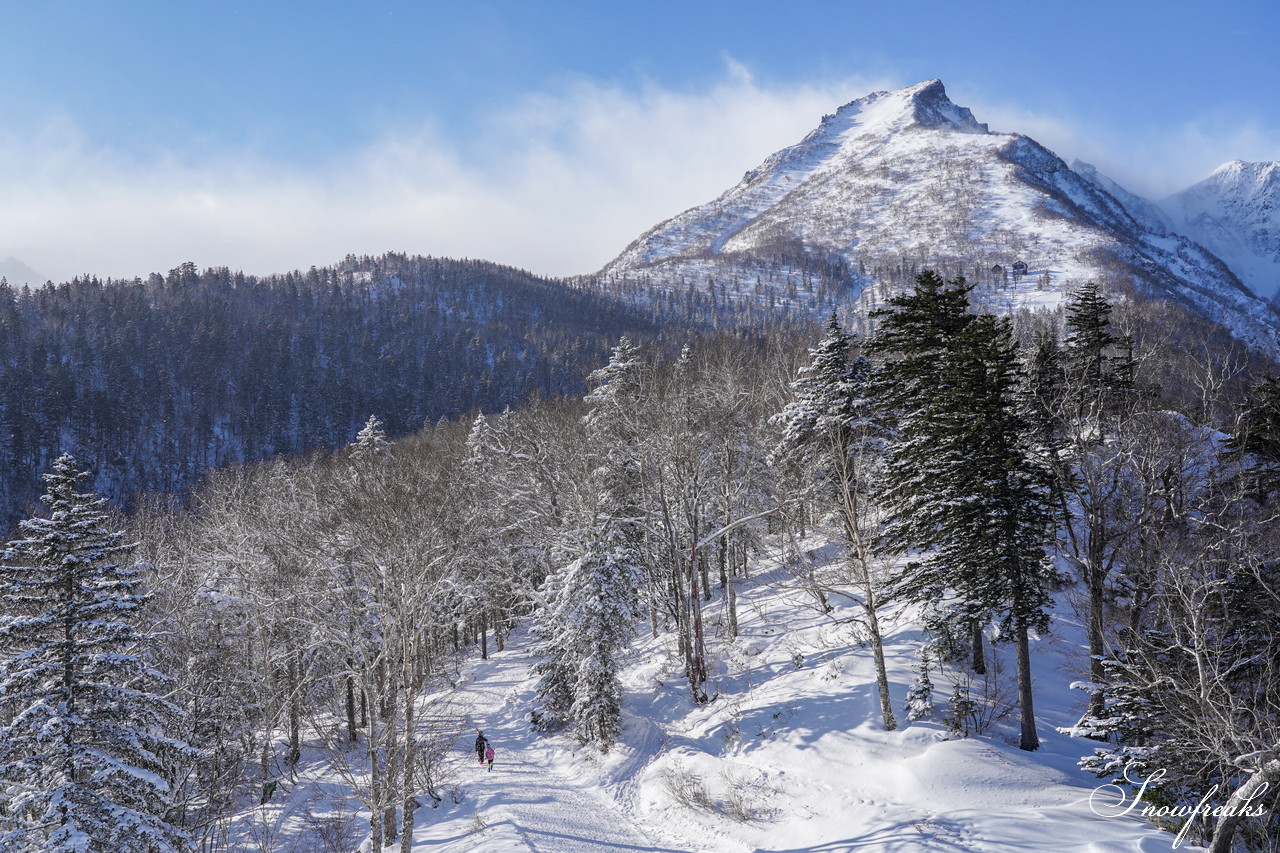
899, 181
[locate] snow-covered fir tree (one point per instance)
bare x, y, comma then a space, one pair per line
371, 441
991, 551
919, 704
596, 609
615, 438
833, 445
917, 336
961, 478
83, 751
592, 602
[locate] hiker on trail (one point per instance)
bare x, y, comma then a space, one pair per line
488, 754
481, 743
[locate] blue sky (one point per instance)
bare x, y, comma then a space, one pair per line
267, 136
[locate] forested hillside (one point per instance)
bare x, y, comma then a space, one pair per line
311, 601
151, 382
1110, 463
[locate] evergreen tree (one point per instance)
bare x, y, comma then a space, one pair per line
614, 437
371, 441
915, 354
83, 753
915, 339
1097, 397
960, 479
824, 410
831, 437
1098, 364
596, 610
1256, 440
991, 551
592, 603
1044, 395
920, 697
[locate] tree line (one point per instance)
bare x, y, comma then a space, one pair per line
151, 382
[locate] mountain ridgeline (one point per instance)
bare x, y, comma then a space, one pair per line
151, 382
897, 182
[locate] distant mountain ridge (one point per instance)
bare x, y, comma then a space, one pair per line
1235, 212
17, 273
903, 180
151, 382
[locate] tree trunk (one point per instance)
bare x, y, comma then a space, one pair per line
1097, 646
877, 650
706, 580
698, 672
731, 604
1240, 801
1030, 740
351, 708
978, 653
722, 558
295, 710
408, 803
373, 748
389, 825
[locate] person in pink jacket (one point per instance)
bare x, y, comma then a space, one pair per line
488, 754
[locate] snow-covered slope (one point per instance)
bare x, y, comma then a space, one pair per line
788, 756
903, 180
1147, 213
1235, 212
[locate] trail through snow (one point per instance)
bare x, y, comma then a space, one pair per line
788, 756
527, 802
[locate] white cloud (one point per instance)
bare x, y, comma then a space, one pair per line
1154, 161
558, 183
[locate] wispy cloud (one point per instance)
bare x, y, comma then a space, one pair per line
558, 183
1154, 161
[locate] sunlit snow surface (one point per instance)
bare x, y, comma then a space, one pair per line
798, 747
791, 739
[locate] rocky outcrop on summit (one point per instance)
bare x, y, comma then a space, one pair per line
1235, 212
903, 180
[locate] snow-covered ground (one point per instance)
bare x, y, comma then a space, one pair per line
788, 757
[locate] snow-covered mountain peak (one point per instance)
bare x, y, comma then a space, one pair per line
1242, 172
934, 109
1236, 213
925, 104
897, 181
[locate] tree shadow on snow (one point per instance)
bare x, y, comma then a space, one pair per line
902, 836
